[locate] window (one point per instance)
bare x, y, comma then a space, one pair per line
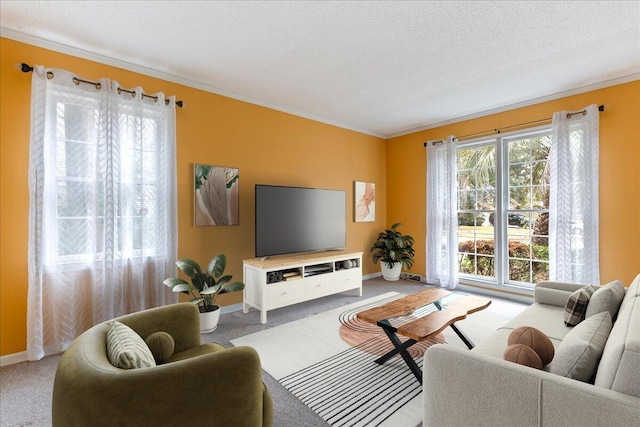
503, 189
102, 205
89, 206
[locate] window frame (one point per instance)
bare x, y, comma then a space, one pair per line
74, 261
501, 256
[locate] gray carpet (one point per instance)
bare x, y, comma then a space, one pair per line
26, 388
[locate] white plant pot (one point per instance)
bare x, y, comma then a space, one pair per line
209, 320
391, 274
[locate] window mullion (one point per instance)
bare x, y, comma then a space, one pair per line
502, 200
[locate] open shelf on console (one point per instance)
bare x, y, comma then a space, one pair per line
287, 274
314, 270
347, 264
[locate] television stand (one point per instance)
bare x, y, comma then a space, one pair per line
280, 281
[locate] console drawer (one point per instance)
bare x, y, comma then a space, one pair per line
283, 293
347, 279
318, 286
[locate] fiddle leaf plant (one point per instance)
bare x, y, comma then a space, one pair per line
206, 285
392, 246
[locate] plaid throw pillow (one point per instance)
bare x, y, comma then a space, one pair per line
576, 306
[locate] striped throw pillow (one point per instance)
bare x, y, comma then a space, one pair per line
576, 306
126, 349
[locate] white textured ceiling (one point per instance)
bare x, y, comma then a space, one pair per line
383, 68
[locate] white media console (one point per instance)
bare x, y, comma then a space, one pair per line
284, 280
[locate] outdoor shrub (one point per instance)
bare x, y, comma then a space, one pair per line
469, 218
477, 259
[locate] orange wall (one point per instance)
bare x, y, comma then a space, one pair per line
268, 147
619, 173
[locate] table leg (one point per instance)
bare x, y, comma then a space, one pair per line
399, 348
461, 334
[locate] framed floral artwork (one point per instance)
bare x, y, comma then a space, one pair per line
364, 201
216, 195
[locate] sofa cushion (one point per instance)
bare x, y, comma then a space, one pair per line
576, 306
546, 318
607, 297
126, 349
619, 369
579, 353
634, 289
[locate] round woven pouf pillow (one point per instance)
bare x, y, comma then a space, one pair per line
522, 355
161, 345
534, 339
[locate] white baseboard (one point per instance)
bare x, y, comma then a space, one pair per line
12, 359
372, 275
231, 308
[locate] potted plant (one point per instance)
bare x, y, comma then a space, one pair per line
394, 251
205, 287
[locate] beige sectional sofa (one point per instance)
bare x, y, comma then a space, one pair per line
479, 388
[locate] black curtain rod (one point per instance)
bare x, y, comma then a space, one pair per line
26, 68
583, 112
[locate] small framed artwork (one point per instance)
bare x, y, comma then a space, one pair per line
364, 201
216, 195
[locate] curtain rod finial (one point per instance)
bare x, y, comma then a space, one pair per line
25, 68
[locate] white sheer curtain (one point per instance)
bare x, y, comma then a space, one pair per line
103, 209
442, 224
573, 203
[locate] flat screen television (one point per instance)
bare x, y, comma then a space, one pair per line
296, 219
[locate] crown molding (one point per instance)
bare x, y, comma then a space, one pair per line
85, 54
534, 101
91, 56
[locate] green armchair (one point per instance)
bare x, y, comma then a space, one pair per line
199, 385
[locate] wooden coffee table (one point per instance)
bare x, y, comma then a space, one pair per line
424, 326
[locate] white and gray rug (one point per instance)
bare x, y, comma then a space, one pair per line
348, 389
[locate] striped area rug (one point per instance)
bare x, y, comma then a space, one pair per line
349, 389
337, 377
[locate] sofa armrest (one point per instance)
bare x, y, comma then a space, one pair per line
554, 293
222, 388
463, 387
